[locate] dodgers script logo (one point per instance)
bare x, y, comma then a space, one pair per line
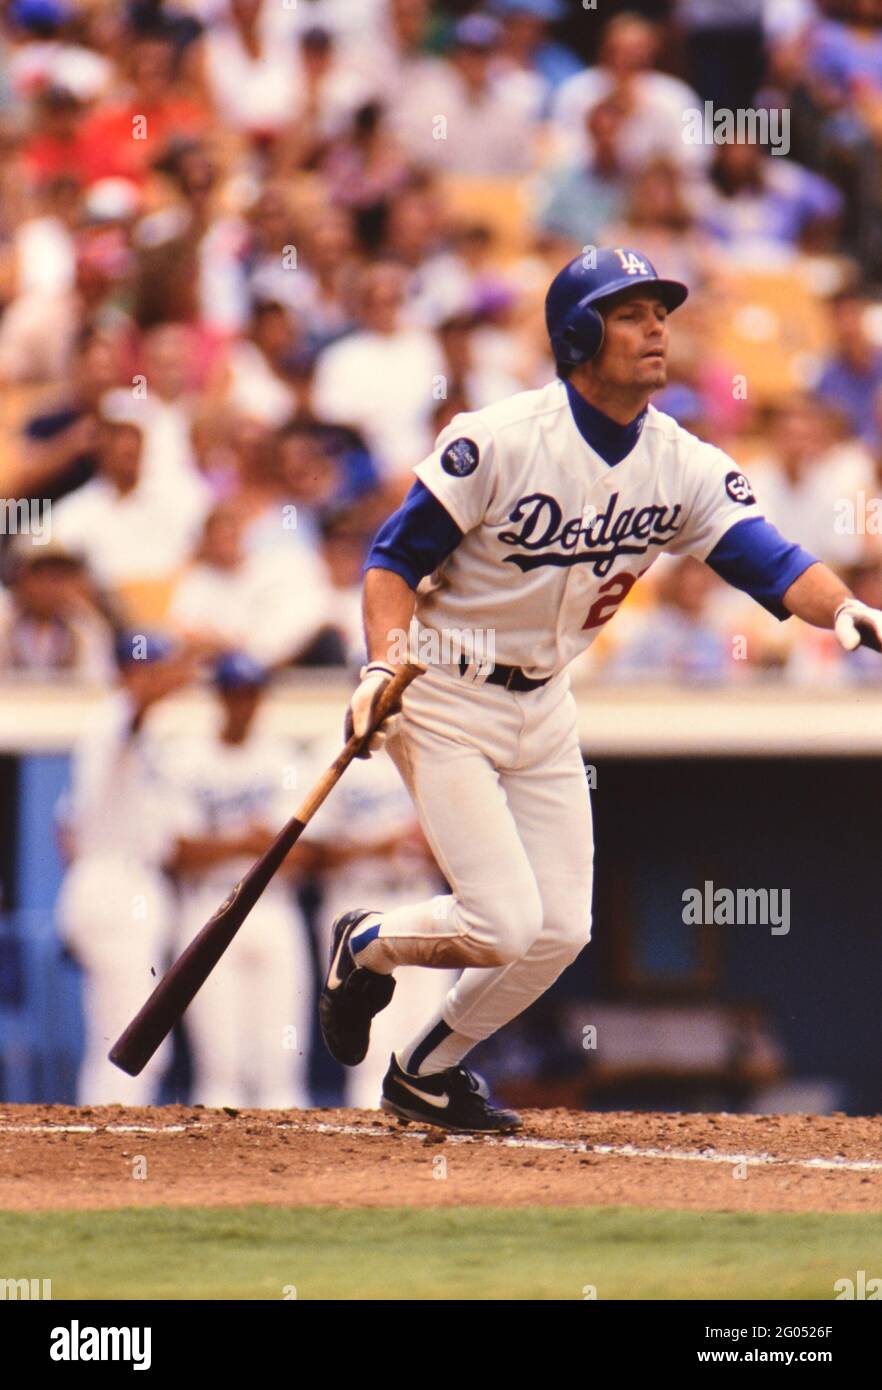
598, 542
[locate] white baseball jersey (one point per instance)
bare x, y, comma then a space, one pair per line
115, 805
555, 537
217, 788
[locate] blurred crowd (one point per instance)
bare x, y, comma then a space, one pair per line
255, 254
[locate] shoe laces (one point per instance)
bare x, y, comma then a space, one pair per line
473, 1082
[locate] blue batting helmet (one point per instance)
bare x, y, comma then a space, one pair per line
574, 324
146, 647
237, 670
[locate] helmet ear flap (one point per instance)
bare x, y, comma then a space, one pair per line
583, 335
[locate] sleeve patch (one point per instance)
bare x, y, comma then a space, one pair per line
739, 489
460, 458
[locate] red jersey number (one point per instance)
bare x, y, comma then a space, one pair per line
614, 592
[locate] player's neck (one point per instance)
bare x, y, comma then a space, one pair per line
618, 403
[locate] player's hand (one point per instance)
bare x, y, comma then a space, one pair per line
858, 625
362, 707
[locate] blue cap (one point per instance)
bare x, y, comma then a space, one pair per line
238, 671
40, 14
134, 648
550, 10
477, 31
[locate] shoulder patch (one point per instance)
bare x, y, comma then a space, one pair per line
739, 488
460, 458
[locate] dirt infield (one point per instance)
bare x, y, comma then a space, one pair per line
54, 1157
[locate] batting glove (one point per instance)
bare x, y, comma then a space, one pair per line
858, 625
363, 706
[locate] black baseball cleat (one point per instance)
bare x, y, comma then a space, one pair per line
455, 1099
351, 995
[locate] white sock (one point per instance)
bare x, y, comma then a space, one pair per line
366, 948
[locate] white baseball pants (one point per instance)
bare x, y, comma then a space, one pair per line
500, 789
250, 1023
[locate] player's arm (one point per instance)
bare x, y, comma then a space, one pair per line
193, 853
820, 598
753, 556
415, 540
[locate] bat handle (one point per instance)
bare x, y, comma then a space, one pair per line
388, 703
391, 696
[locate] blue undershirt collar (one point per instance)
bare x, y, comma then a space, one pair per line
607, 437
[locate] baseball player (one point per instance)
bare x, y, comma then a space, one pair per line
370, 849
115, 910
227, 795
533, 517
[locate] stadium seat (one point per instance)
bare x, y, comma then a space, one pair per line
771, 326
497, 203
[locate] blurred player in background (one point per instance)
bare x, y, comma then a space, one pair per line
226, 797
115, 910
370, 846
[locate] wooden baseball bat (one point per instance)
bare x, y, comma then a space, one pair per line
133, 1048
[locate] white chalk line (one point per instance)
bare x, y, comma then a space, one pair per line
709, 1155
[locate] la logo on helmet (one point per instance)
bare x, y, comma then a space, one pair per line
631, 262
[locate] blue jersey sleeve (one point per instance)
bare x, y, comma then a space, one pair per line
755, 557
416, 539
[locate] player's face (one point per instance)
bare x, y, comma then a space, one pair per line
240, 707
635, 343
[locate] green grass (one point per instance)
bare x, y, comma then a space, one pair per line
470, 1253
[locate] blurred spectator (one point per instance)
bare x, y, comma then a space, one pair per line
162, 403
59, 444
758, 204
799, 481
440, 282
852, 375
677, 639
393, 52
123, 139
653, 103
528, 45
55, 145
49, 622
251, 66
227, 793
190, 253
467, 116
364, 169
257, 367
381, 378
724, 48
270, 603
582, 197
660, 218
49, 58
43, 244
473, 372
289, 482
39, 329
122, 528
